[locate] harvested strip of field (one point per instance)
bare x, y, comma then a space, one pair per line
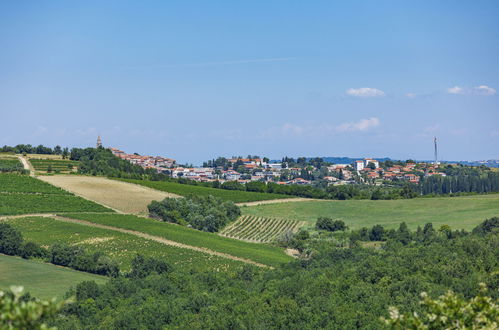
120, 196
41, 279
123, 247
258, 253
259, 229
236, 196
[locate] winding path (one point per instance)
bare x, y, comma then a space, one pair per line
27, 165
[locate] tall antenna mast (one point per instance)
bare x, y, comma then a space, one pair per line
436, 155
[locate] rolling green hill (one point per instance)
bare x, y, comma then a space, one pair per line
262, 253
457, 212
120, 246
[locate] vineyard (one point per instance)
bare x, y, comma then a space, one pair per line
20, 194
258, 229
119, 246
262, 253
54, 165
14, 183
10, 165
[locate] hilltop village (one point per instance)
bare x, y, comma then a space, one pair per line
301, 171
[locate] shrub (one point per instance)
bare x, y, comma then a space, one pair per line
33, 250
10, 239
330, 224
144, 266
488, 226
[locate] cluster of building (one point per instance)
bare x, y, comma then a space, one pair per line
412, 172
257, 169
155, 162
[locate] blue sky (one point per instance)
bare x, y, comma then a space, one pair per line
196, 79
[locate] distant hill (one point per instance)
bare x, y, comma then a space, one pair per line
340, 160
348, 160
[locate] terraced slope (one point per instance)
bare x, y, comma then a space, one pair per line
56, 165
259, 229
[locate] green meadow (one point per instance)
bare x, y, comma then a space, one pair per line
41, 280
457, 212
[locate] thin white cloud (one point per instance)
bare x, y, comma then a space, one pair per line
302, 130
478, 90
484, 90
361, 125
456, 90
410, 95
365, 92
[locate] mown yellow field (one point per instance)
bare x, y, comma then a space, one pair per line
120, 196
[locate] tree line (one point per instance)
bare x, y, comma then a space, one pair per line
40, 149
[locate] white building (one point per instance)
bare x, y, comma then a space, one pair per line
359, 165
369, 160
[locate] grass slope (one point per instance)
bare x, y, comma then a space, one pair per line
12, 204
262, 253
236, 196
457, 212
21, 194
120, 246
41, 279
16, 183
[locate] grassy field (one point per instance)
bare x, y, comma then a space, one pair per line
236, 196
42, 280
258, 229
120, 246
457, 212
21, 194
122, 196
262, 253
